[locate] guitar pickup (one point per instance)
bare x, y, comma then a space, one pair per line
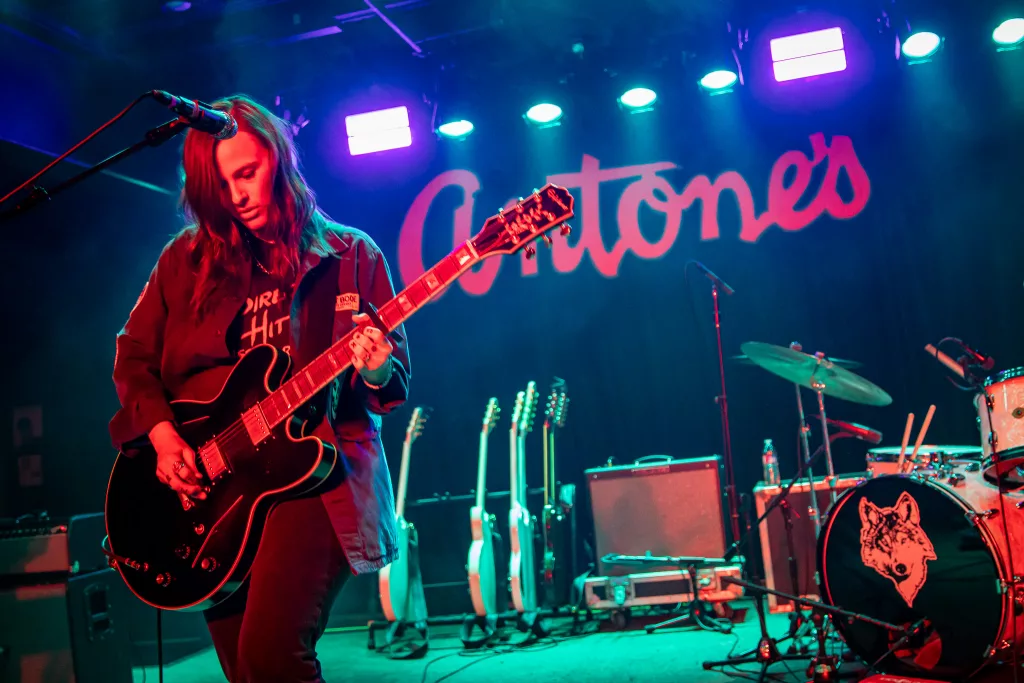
214, 462
256, 425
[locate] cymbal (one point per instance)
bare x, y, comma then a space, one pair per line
816, 374
744, 359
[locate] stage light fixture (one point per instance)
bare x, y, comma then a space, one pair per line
637, 100
544, 114
1009, 34
455, 130
719, 81
920, 46
808, 54
378, 131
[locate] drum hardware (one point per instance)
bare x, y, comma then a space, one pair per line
823, 668
797, 622
823, 376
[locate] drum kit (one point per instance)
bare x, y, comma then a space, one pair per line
923, 558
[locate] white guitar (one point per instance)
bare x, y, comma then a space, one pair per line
482, 582
401, 587
521, 567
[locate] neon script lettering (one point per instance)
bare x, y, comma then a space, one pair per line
655, 191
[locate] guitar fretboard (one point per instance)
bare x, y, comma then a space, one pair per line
305, 383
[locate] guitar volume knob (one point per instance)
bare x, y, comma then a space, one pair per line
208, 564
163, 579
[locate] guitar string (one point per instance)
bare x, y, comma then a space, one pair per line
227, 439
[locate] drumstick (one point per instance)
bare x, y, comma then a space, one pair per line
924, 430
906, 440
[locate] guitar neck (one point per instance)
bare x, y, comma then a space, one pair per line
550, 493
523, 487
403, 480
514, 476
548, 482
307, 382
481, 472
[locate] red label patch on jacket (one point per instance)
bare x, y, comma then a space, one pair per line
347, 302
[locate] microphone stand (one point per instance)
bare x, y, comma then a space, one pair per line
723, 405
153, 138
824, 667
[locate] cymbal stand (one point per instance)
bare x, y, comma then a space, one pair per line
828, 447
804, 431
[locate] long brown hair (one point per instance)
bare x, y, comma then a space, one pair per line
295, 224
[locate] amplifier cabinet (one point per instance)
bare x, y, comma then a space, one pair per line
774, 549
668, 508
66, 632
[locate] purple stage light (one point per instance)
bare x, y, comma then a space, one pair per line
808, 54
378, 131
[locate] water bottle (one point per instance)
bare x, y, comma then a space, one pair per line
771, 464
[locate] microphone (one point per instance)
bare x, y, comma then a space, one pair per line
986, 362
863, 433
199, 115
945, 360
714, 278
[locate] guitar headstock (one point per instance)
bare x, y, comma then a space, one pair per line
511, 230
418, 420
491, 415
558, 403
517, 411
529, 408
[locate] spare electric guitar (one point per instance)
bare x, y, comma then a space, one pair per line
483, 584
252, 447
401, 586
522, 570
559, 501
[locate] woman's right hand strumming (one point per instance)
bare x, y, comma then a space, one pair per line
175, 461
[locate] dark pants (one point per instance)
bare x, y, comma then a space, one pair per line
268, 630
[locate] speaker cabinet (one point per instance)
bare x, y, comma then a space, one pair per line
668, 508
66, 632
774, 547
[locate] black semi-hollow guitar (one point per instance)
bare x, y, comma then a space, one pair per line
250, 447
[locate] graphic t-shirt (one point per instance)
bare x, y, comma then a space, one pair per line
264, 320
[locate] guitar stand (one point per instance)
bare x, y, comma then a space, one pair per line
534, 624
399, 643
488, 627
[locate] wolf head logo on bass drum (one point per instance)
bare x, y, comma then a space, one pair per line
893, 543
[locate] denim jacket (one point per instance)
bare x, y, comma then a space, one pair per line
165, 352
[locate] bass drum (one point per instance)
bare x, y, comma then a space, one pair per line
902, 548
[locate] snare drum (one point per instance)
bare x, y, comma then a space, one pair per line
905, 548
1001, 420
882, 461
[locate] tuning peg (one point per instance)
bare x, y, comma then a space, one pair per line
565, 229
530, 251
547, 240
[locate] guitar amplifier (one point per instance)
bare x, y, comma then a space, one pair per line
668, 508
65, 632
32, 548
774, 549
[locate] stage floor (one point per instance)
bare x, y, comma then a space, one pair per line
603, 654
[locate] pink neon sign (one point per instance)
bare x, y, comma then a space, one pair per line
650, 188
